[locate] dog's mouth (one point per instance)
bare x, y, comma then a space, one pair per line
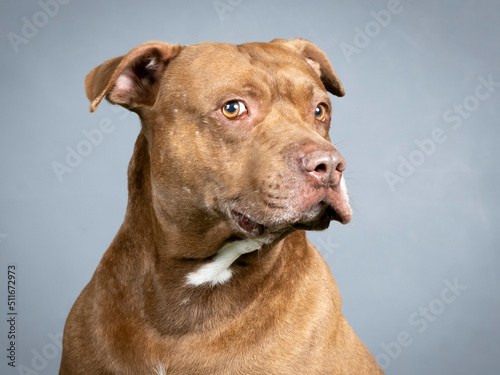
248, 225
317, 217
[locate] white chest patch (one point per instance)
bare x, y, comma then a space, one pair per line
217, 270
159, 370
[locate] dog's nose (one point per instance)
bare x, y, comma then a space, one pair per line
324, 166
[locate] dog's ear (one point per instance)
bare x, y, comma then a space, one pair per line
131, 80
318, 61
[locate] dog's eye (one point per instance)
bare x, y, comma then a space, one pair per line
234, 109
320, 112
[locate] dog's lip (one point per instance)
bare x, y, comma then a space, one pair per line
246, 224
339, 208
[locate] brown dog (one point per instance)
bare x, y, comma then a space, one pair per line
211, 271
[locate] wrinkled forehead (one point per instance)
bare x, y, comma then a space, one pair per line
214, 70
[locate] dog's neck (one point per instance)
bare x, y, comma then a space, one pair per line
199, 276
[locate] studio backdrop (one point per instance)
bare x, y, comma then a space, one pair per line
419, 126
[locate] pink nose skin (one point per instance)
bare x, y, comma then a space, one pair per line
324, 167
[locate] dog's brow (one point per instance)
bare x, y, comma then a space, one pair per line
248, 91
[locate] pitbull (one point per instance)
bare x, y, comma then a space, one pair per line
211, 271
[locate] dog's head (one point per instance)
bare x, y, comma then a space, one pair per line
240, 133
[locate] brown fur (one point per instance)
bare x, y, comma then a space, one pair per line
280, 313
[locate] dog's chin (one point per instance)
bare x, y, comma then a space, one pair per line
320, 222
322, 215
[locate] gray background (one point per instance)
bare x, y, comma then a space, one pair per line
393, 263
